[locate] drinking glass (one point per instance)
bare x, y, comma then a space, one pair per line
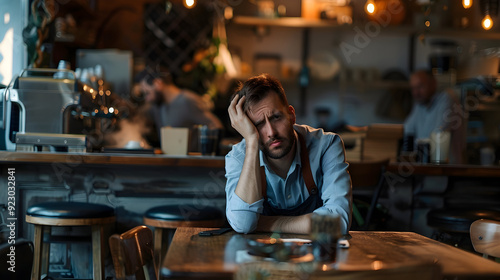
325, 233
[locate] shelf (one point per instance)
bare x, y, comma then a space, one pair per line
298, 22
283, 22
376, 84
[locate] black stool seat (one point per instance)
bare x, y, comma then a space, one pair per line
183, 212
458, 220
70, 210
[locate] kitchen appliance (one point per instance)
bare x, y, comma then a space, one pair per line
33, 142
34, 102
12, 118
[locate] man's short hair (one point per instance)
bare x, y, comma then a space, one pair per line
258, 87
149, 76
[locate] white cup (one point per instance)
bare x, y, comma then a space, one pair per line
440, 146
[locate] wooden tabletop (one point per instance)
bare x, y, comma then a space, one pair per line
112, 158
191, 255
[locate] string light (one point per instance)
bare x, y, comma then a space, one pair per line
467, 3
370, 7
487, 22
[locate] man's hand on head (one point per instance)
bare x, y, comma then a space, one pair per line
240, 121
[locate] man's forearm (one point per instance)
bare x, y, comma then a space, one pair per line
286, 224
249, 187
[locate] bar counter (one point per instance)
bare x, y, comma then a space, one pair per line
112, 158
129, 182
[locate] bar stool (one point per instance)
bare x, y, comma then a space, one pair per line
46, 215
170, 217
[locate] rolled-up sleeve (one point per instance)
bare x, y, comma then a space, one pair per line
241, 216
336, 190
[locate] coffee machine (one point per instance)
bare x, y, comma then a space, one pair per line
32, 106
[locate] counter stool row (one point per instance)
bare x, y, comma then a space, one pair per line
45, 216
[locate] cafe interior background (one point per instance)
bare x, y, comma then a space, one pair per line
341, 65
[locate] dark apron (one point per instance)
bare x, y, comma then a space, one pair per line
312, 203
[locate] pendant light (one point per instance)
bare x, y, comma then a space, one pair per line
370, 7
487, 22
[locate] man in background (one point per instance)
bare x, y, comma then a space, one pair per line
435, 111
169, 105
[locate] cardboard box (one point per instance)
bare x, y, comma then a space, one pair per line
174, 140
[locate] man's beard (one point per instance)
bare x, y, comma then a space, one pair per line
158, 97
283, 151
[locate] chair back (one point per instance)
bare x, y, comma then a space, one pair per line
131, 252
367, 178
485, 237
367, 173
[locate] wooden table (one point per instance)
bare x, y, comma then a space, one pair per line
192, 256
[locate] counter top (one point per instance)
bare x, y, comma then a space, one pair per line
455, 170
112, 159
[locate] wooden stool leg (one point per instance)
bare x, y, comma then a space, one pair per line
45, 250
157, 249
98, 251
37, 260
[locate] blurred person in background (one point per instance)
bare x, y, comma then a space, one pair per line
434, 111
169, 105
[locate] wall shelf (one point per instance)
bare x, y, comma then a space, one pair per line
298, 22
284, 22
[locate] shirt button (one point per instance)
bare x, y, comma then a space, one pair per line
289, 196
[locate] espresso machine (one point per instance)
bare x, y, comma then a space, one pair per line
50, 110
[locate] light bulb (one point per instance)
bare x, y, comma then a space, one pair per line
189, 3
487, 22
467, 3
370, 6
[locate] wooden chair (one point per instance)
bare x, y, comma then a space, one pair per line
131, 252
367, 179
485, 237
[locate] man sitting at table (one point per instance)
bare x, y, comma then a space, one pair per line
281, 172
434, 111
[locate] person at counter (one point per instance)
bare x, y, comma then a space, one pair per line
172, 106
434, 111
281, 172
